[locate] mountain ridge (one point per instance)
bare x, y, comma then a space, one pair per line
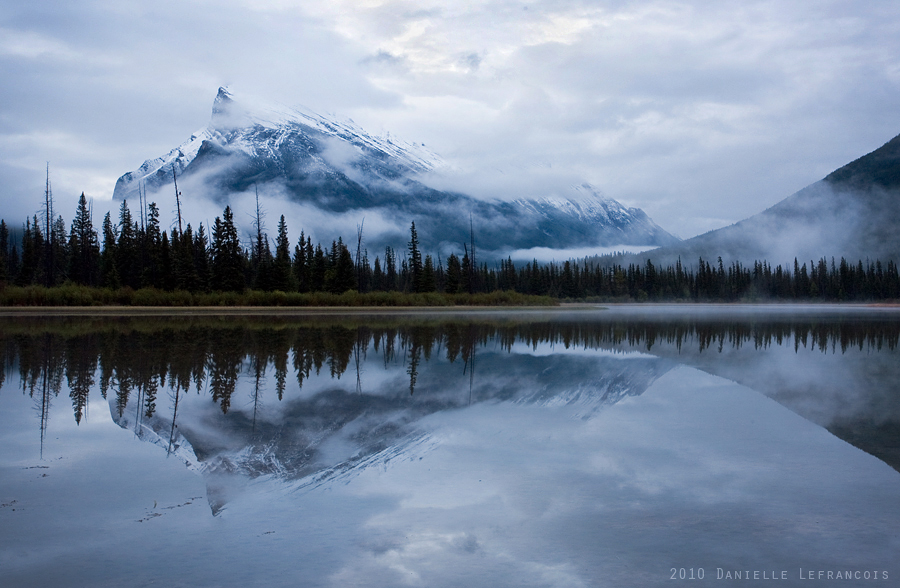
853, 212
334, 167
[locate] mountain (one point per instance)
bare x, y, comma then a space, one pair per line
854, 212
335, 170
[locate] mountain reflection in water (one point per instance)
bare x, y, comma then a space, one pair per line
308, 400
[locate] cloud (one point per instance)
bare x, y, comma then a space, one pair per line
699, 114
545, 254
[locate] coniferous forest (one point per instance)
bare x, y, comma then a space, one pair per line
128, 254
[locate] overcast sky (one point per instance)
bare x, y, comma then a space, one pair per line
701, 113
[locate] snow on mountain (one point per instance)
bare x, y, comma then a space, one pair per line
586, 204
229, 114
336, 168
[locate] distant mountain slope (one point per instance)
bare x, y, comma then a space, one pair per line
854, 212
880, 168
336, 168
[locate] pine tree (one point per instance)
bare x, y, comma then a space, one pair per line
467, 282
151, 250
227, 255
186, 277
317, 270
415, 260
166, 271
265, 268
109, 274
84, 248
301, 263
282, 274
454, 275
15, 262
201, 259
567, 282
428, 281
341, 276
32, 268
364, 273
59, 252
378, 276
390, 269
127, 258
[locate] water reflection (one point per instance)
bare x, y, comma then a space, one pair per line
324, 395
545, 449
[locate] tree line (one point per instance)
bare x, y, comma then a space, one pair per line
821, 280
138, 253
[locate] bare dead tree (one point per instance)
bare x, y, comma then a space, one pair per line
142, 201
49, 233
260, 228
472, 266
177, 199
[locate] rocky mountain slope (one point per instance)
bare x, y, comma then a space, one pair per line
854, 212
336, 169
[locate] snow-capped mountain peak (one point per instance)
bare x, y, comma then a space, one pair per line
231, 113
336, 167
583, 202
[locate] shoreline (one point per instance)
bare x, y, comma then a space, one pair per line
10, 311
612, 307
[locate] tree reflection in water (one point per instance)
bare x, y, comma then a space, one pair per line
136, 358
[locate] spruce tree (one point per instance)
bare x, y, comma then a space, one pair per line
59, 252
390, 270
228, 256
201, 259
265, 268
151, 250
341, 276
466, 282
454, 275
166, 272
318, 269
377, 276
282, 274
31, 268
301, 263
109, 274
428, 281
127, 258
84, 248
415, 260
186, 277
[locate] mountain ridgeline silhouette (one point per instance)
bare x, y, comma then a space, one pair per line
853, 213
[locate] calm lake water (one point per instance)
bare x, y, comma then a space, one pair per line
629, 446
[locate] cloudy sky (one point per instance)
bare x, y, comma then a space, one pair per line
701, 113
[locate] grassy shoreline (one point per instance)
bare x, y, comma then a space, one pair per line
72, 299
15, 297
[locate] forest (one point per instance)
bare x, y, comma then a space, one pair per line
134, 254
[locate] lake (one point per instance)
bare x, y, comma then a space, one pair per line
621, 446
